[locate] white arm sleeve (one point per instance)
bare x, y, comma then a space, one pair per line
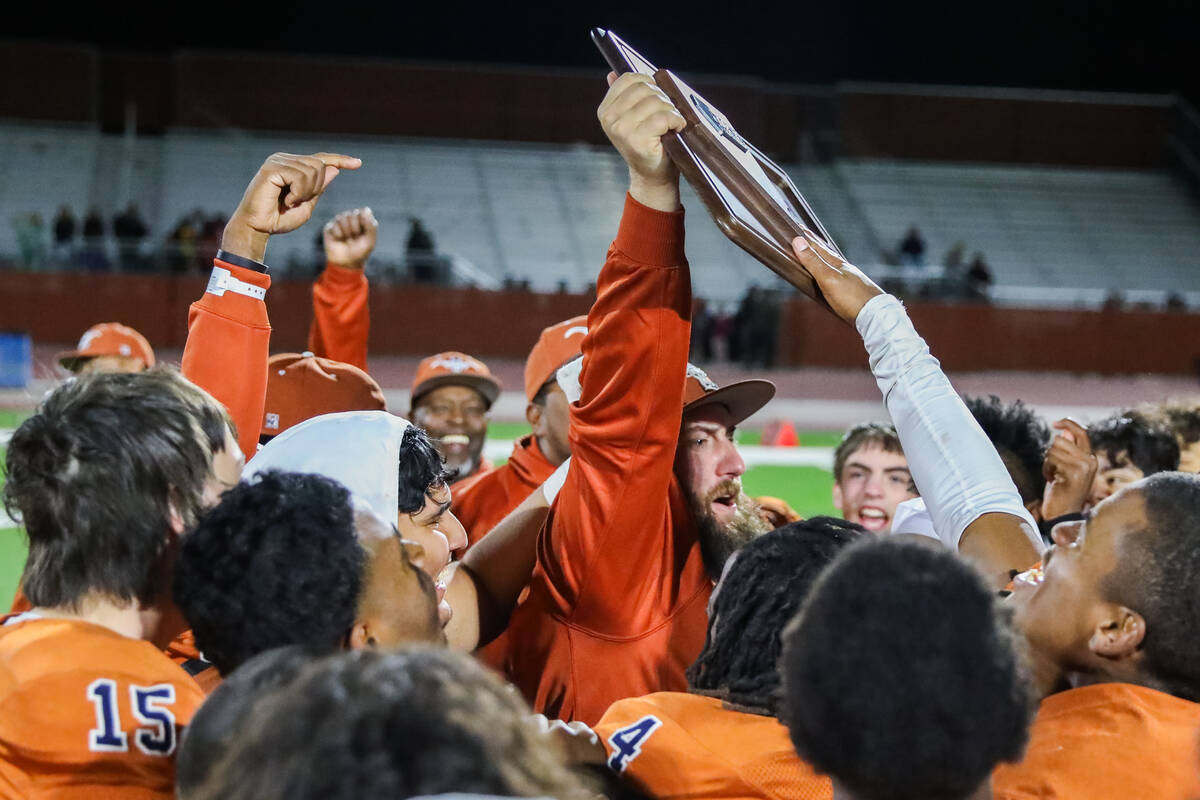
954, 465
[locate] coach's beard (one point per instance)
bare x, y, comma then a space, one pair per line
719, 540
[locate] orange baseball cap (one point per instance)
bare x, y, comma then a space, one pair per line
742, 398
557, 345
108, 339
454, 369
301, 386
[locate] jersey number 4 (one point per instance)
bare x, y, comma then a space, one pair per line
626, 743
156, 734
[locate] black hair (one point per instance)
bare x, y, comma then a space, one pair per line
1158, 576
1181, 416
232, 706
762, 589
95, 475
865, 434
369, 723
902, 676
1132, 437
276, 562
1020, 437
421, 469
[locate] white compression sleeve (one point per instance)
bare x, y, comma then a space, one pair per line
953, 463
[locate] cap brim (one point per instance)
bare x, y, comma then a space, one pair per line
742, 399
487, 387
71, 359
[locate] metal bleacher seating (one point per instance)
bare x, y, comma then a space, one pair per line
547, 213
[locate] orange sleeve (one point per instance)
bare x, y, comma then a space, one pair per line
608, 560
229, 336
341, 318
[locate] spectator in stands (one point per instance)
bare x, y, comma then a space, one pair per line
94, 257
31, 240
1129, 446
105, 477
979, 279
108, 347
1021, 438
183, 258
64, 235
955, 259
286, 559
870, 476
420, 253
917, 620
912, 248
1175, 303
451, 396
1182, 417
721, 738
130, 230
232, 707
418, 722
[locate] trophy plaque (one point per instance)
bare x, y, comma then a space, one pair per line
751, 199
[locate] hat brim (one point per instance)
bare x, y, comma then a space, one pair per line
71, 359
742, 399
487, 387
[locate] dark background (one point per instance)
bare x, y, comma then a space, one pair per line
1101, 45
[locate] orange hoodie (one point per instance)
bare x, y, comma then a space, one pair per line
616, 604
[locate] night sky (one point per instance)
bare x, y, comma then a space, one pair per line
1104, 45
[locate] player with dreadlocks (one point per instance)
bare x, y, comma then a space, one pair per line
722, 734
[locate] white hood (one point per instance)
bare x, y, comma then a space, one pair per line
358, 449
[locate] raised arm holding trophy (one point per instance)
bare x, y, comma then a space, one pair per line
750, 198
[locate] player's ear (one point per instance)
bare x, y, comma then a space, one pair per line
1118, 634
174, 517
837, 496
533, 415
360, 637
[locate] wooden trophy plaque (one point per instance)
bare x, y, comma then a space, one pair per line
750, 198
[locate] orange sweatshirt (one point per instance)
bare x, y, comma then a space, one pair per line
616, 604
341, 318
1108, 741
480, 502
673, 746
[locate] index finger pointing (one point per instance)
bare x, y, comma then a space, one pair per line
339, 161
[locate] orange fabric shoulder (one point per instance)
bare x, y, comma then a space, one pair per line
675, 745
87, 713
1109, 741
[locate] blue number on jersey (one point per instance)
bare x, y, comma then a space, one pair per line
107, 736
626, 743
147, 703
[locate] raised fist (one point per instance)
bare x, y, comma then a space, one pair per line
635, 115
350, 237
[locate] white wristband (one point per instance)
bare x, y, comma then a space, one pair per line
221, 281
955, 466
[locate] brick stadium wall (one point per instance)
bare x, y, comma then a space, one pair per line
57, 307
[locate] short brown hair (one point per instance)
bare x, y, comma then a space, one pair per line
94, 474
864, 434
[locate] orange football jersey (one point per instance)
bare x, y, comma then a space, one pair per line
1108, 741
88, 713
675, 745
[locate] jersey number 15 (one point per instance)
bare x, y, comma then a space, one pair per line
155, 735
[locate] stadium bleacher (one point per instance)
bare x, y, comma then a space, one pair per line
546, 213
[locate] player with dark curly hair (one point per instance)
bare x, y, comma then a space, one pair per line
1021, 438
285, 559
1129, 446
903, 678
418, 721
722, 738
1182, 416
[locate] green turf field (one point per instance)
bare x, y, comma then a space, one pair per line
807, 489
